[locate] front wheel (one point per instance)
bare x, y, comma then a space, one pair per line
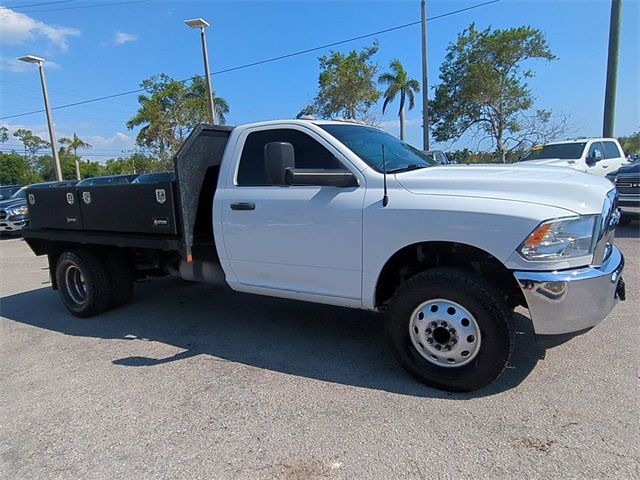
450, 329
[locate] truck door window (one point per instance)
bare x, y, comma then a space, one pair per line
611, 150
595, 151
308, 152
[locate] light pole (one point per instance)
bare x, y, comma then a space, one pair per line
425, 85
201, 23
52, 133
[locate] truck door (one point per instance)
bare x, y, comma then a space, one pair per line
297, 238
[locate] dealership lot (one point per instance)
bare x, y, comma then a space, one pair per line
191, 381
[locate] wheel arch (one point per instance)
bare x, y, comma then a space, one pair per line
412, 259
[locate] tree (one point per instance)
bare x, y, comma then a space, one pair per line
398, 82
4, 134
483, 86
73, 144
136, 163
32, 143
346, 85
630, 143
169, 110
15, 169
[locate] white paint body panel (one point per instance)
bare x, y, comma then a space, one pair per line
329, 245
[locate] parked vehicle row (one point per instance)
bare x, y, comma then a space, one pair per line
627, 181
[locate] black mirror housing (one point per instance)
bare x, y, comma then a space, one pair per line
321, 177
278, 157
590, 161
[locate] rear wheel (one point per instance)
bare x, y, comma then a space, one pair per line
83, 283
450, 329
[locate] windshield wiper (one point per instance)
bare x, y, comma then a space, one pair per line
413, 166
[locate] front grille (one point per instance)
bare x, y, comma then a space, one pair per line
3, 214
628, 185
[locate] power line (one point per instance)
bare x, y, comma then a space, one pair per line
110, 4
262, 62
17, 7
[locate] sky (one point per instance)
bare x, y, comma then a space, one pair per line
104, 47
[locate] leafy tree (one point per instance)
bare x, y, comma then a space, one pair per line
32, 143
169, 110
72, 145
346, 85
4, 134
630, 143
483, 86
136, 163
398, 82
15, 169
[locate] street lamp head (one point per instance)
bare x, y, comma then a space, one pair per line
31, 59
197, 23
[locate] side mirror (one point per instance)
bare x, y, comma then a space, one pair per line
321, 177
591, 161
278, 157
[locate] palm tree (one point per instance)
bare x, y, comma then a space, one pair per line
73, 144
397, 81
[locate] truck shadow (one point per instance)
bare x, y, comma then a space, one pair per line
629, 231
315, 341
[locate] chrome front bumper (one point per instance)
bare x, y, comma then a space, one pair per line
569, 301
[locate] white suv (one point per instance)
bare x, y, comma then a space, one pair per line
592, 155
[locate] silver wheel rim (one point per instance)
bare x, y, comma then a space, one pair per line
76, 288
445, 333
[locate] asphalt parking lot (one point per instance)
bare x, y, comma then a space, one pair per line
194, 382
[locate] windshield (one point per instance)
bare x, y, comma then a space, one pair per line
367, 142
558, 150
20, 193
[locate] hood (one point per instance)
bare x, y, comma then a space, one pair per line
565, 188
632, 168
12, 202
551, 162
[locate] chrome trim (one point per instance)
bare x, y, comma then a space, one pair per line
571, 300
606, 230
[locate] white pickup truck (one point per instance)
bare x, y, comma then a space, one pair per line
347, 215
599, 156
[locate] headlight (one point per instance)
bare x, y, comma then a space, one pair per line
23, 210
565, 238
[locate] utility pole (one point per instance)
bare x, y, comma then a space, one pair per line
612, 69
201, 24
425, 85
52, 133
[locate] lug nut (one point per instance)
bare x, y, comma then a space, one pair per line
438, 347
453, 341
428, 331
429, 340
434, 324
447, 348
452, 331
444, 324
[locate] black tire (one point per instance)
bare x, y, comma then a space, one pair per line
121, 278
483, 301
83, 283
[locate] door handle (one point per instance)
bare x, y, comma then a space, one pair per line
243, 206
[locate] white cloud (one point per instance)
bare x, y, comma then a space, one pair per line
120, 38
18, 28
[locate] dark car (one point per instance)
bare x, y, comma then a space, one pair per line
155, 177
7, 190
627, 181
107, 180
14, 213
